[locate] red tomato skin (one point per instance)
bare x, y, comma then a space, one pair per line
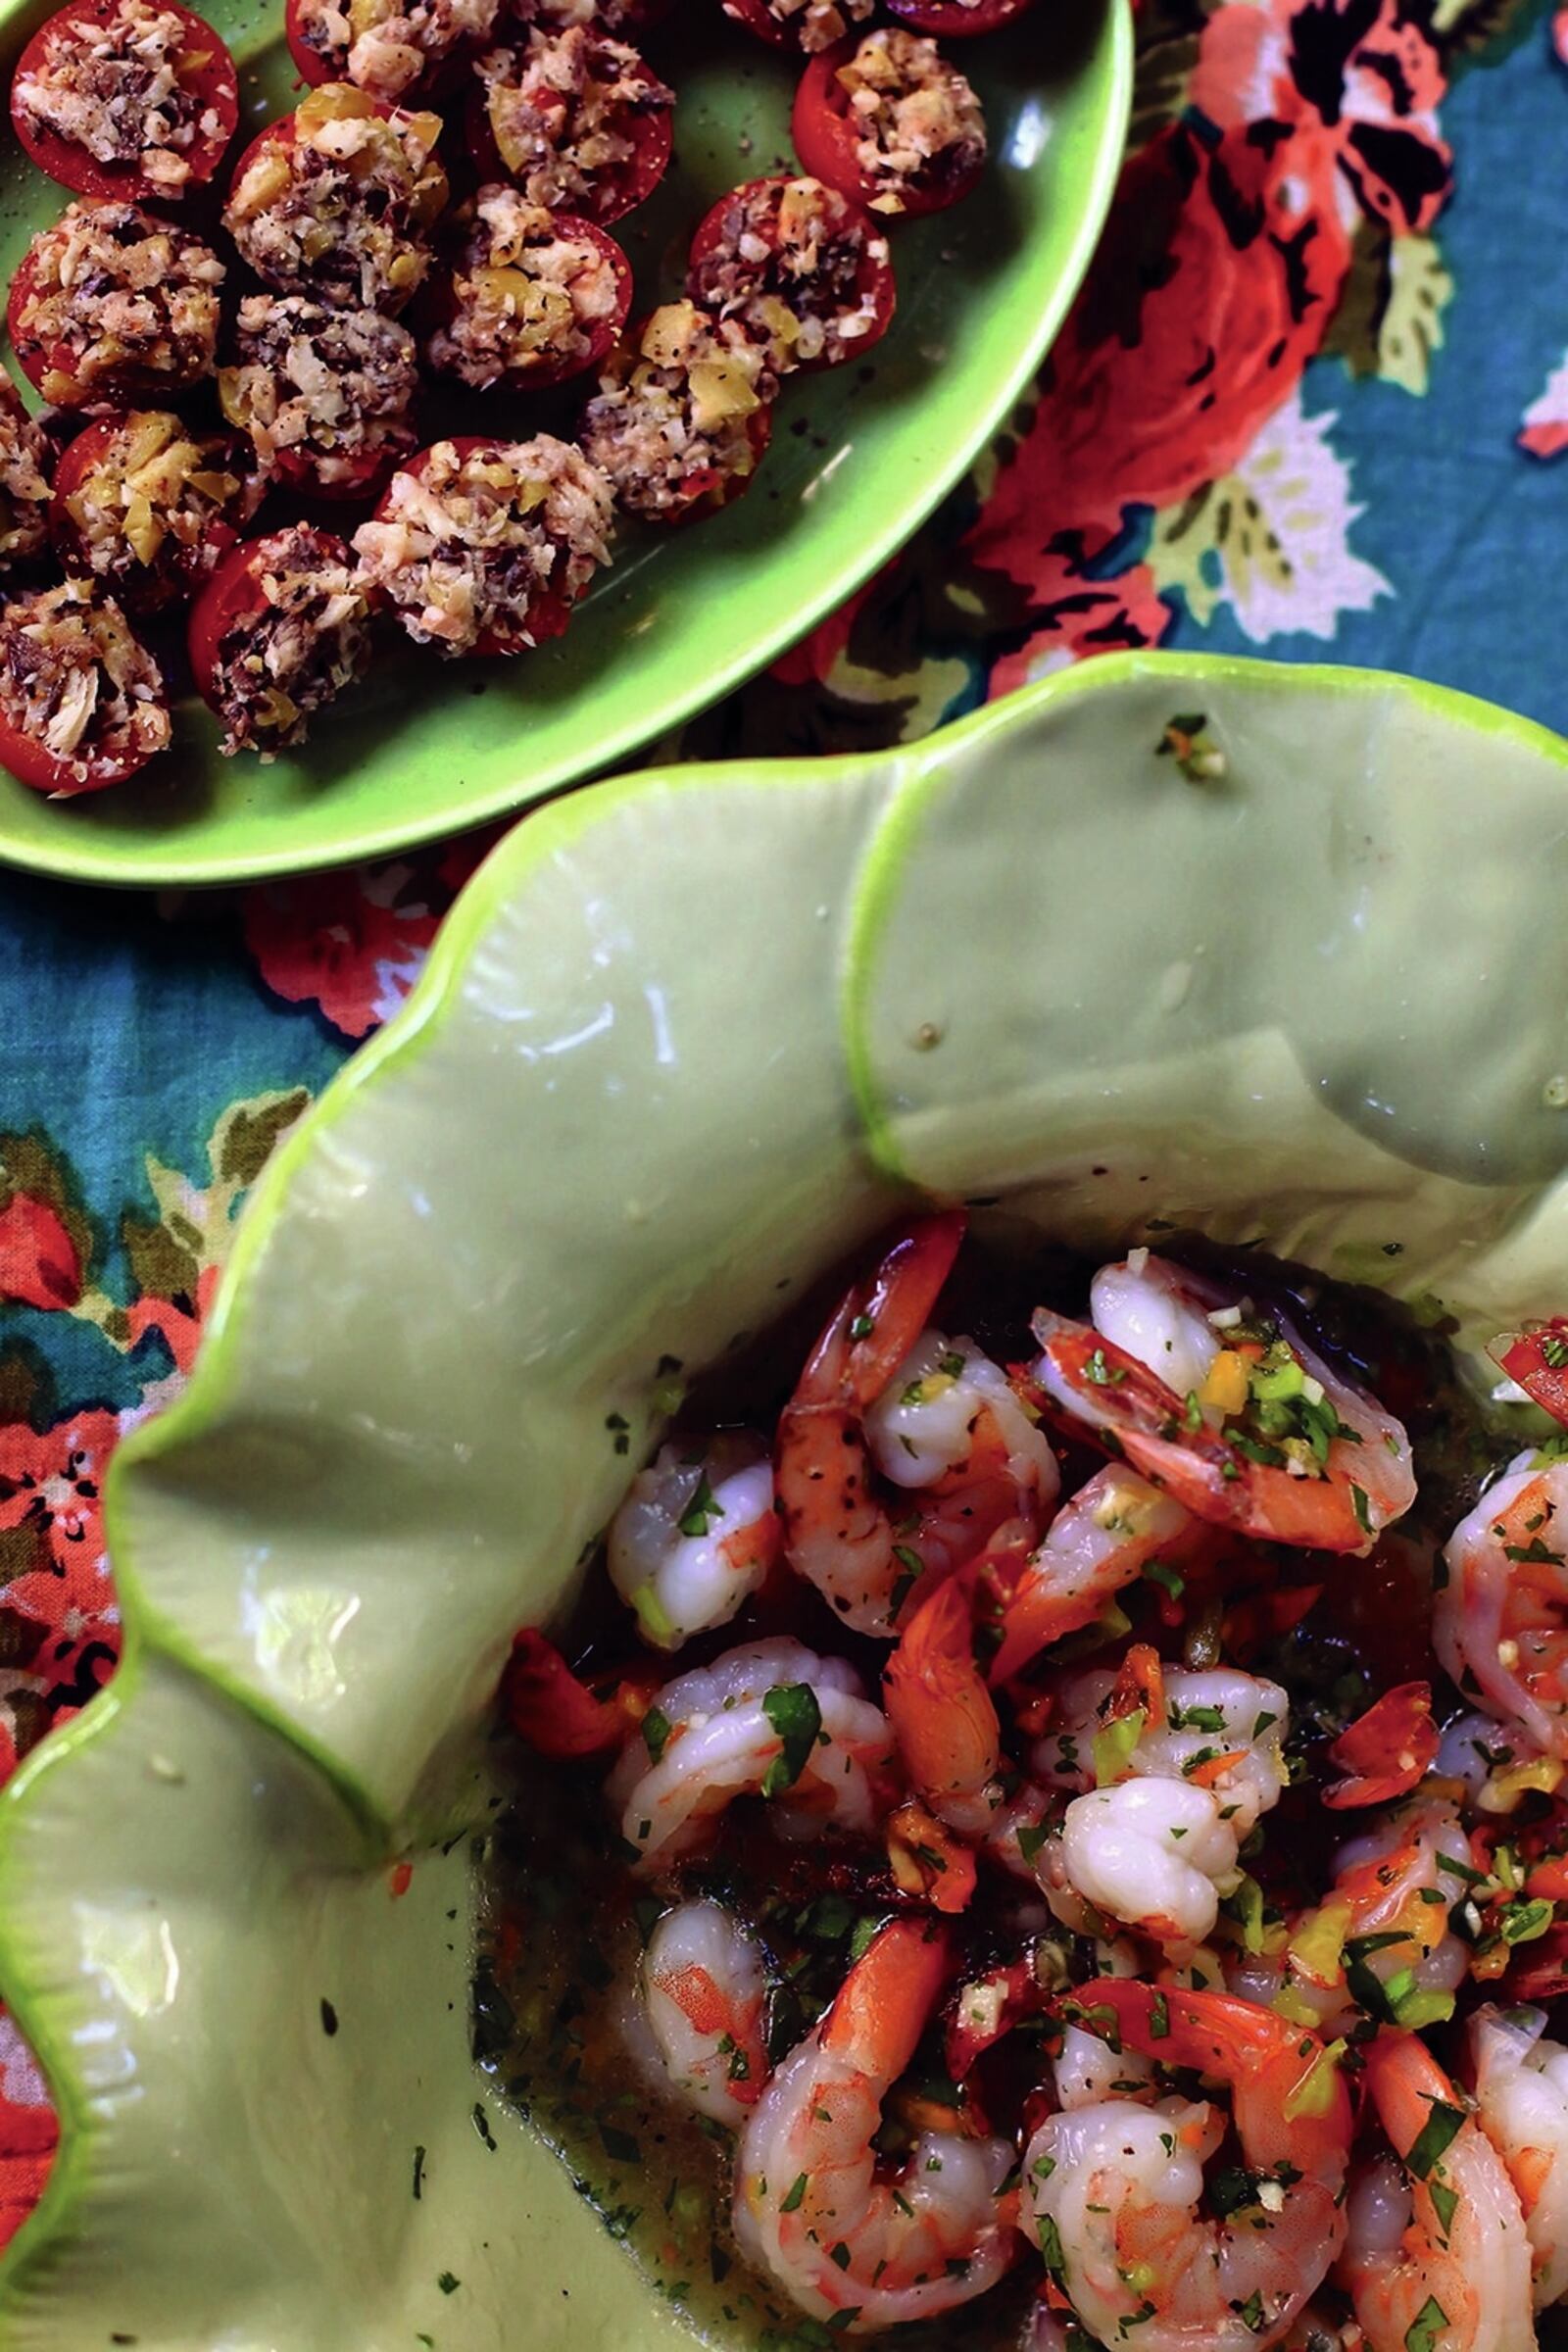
233, 594
653, 139
606, 332
948, 20
825, 142
159, 588
217, 84
875, 278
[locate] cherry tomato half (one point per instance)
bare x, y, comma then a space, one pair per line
235, 593
441, 306
206, 79
827, 141
548, 614
53, 364
177, 563
139, 721
441, 76
951, 20
403, 211
874, 292
610, 193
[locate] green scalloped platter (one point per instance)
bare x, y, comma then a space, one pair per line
860, 457
1314, 999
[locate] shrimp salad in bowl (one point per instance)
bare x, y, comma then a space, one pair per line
1056, 1806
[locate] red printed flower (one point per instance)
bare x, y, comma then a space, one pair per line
353, 944
51, 1492
1214, 284
1354, 84
38, 1260
27, 2131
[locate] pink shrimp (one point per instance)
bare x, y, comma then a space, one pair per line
1115, 2184
1500, 1623
1102, 1538
1241, 1421
1439, 2255
854, 2242
704, 1993
983, 1465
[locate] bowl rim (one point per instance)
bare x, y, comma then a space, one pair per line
538, 837
68, 857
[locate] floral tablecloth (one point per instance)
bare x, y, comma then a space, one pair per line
1307, 404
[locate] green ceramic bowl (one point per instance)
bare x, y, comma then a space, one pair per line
860, 457
684, 1041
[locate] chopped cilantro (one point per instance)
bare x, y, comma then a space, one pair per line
791, 2201
656, 1728
1425, 2328
792, 1710
1435, 2134
702, 1510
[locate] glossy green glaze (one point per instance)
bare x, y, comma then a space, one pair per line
860, 457
683, 1041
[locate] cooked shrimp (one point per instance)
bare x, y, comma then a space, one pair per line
864, 1558
942, 1713
1221, 1731
860, 2245
1499, 1768
1115, 2187
951, 1417
1438, 2255
695, 1537
704, 1993
770, 1719
1500, 1623
1157, 1855
1103, 1536
1263, 1436
1522, 2106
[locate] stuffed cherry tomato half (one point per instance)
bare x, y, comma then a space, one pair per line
804, 270
146, 507
888, 121
529, 298
956, 19
482, 546
26, 465
808, 24
83, 705
134, 99
575, 119
327, 396
111, 308
279, 631
392, 49
684, 413
337, 199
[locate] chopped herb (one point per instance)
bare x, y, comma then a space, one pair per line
656, 1728
794, 1714
791, 2201
419, 2174
1435, 2134
1522, 1922
1158, 2016
1194, 1414
1260, 1722
1231, 2189
1102, 1373
1055, 2261
328, 2019
911, 1569
952, 1364
620, 2146
1115, 1747
839, 2254
448, 2285
1031, 1837
1359, 1504
1425, 2328
703, 1509
865, 1934
1532, 1554
861, 1327
1445, 2203
1158, 1573
903, 2205
481, 2124
1043, 2166
1195, 1719
1250, 2313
